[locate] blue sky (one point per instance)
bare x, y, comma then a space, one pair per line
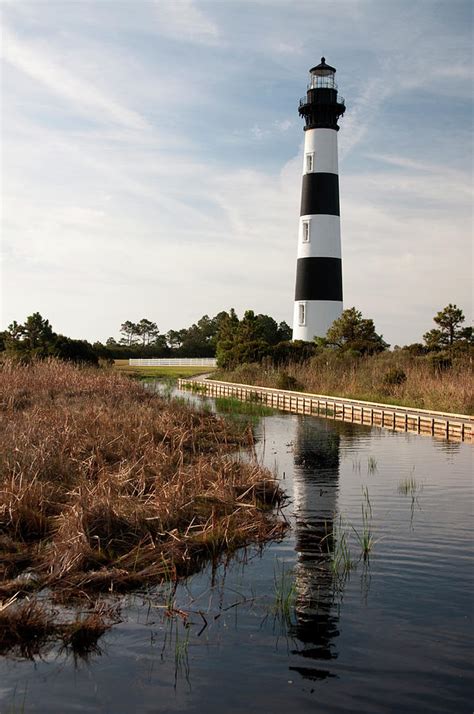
152, 157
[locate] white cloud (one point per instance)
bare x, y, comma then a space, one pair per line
83, 95
278, 126
184, 21
363, 113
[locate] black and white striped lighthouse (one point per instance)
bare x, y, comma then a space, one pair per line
318, 294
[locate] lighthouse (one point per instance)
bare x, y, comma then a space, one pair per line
318, 293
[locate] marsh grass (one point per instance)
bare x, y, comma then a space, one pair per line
364, 534
29, 627
106, 487
233, 406
371, 465
340, 537
181, 651
81, 635
177, 630
411, 487
364, 378
285, 594
341, 561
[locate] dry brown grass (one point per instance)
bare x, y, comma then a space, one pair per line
425, 387
29, 627
106, 487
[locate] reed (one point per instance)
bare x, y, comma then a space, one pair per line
105, 486
371, 465
411, 487
341, 561
285, 594
364, 534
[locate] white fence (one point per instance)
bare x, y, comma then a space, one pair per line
174, 362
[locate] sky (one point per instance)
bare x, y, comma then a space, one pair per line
152, 155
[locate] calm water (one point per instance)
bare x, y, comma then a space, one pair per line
395, 634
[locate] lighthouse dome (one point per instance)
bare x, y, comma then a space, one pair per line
323, 69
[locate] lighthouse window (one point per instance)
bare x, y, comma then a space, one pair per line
302, 314
305, 231
309, 162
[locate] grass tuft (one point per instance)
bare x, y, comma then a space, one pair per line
285, 594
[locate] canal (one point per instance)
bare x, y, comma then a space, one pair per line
364, 606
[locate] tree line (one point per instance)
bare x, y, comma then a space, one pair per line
143, 338
235, 340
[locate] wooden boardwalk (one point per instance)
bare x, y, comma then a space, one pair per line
455, 427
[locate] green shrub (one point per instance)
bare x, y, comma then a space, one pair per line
440, 361
394, 377
287, 381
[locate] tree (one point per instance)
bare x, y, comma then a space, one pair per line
353, 332
284, 332
449, 333
37, 331
35, 337
175, 338
147, 330
71, 350
226, 338
250, 339
130, 332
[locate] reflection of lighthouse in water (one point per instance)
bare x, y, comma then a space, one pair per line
316, 478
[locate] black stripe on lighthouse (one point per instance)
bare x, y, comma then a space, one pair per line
318, 279
320, 194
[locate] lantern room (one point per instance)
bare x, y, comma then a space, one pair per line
322, 76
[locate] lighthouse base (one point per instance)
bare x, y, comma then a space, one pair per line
313, 318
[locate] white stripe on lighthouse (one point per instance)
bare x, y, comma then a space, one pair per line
322, 237
320, 314
323, 144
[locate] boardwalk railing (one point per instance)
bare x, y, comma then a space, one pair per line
457, 427
174, 362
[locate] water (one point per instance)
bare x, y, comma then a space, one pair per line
392, 634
